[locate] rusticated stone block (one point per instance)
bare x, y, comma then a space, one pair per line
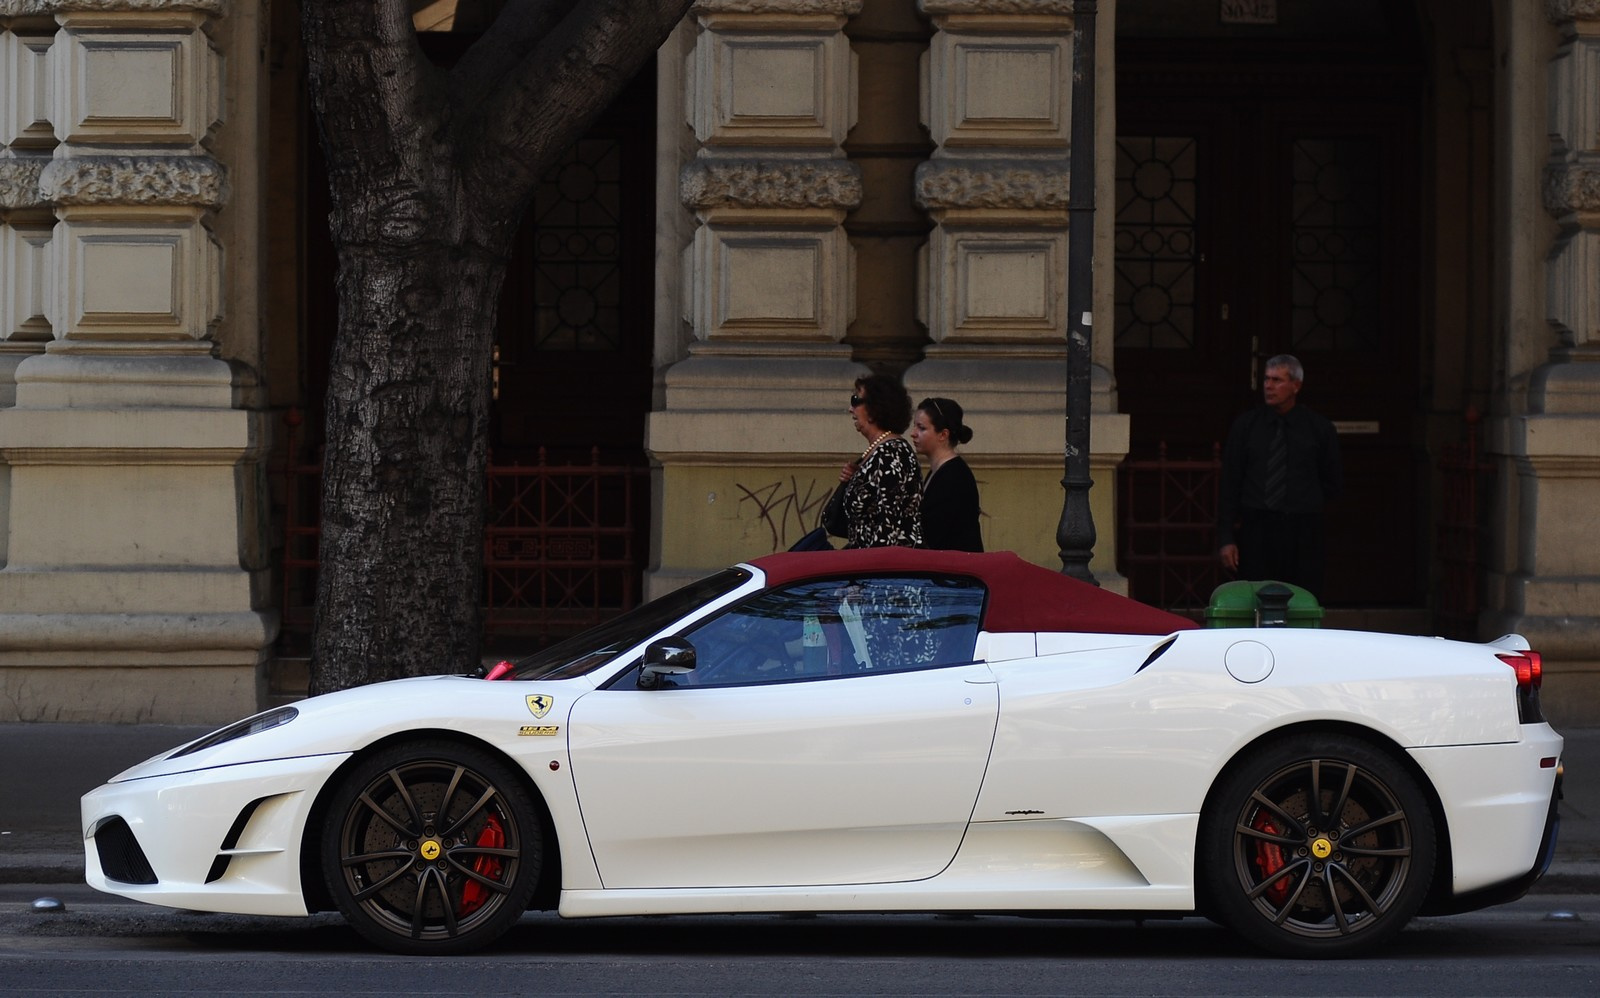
126, 80
19, 181
995, 184
49, 8
24, 263
754, 183
25, 89
836, 8
937, 8
1572, 10
768, 81
192, 181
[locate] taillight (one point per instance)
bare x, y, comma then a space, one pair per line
1528, 664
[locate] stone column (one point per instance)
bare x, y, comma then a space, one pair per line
768, 281
132, 579
997, 88
1546, 583
26, 139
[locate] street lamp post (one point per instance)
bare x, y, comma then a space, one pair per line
1075, 534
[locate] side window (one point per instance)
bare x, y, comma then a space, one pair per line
838, 628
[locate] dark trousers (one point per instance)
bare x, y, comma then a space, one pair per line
1286, 547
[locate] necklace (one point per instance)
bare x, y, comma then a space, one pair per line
881, 438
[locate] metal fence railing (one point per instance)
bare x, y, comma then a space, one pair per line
564, 543
1166, 529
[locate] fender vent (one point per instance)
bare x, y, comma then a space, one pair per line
120, 856
219, 866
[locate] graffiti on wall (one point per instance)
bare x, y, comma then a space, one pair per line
788, 509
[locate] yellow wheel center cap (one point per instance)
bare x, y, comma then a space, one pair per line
1321, 848
430, 850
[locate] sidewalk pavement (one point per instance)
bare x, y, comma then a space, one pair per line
45, 768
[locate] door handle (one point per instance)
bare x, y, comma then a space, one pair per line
1255, 361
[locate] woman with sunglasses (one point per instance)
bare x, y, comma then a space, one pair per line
949, 493
881, 488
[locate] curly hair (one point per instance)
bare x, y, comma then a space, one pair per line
888, 403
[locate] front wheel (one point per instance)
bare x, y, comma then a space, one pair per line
431, 848
1317, 846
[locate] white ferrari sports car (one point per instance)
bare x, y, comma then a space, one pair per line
873, 731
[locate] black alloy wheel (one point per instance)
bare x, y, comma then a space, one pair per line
431, 848
1317, 846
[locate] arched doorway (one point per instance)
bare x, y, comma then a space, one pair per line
568, 498
1267, 201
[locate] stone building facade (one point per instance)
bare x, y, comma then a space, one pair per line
838, 186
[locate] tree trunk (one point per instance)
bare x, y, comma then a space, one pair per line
399, 592
429, 173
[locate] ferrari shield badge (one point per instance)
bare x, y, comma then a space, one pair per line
539, 704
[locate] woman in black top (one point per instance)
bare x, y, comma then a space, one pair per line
949, 493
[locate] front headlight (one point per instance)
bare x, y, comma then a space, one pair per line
239, 729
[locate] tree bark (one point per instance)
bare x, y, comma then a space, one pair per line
429, 174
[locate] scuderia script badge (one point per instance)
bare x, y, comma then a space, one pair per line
539, 704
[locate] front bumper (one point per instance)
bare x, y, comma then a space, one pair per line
222, 839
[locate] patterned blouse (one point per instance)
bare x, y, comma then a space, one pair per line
883, 497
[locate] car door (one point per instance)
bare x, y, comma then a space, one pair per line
832, 732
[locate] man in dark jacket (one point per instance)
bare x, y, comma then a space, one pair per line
1279, 466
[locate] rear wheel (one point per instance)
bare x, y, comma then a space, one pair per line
1317, 846
431, 848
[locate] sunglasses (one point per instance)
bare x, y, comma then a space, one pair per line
856, 400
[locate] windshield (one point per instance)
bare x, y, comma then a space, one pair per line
598, 645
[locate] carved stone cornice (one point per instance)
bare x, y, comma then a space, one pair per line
1561, 11
1053, 8
993, 183
834, 8
50, 8
189, 181
19, 181
757, 183
1572, 188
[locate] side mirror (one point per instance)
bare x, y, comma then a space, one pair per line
665, 657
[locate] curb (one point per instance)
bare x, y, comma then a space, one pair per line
43, 869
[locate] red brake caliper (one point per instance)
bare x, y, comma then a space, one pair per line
474, 894
1269, 857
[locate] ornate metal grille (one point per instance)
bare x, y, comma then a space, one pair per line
1156, 248
559, 547
1334, 245
561, 544
1168, 529
578, 250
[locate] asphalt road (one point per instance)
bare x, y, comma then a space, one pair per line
1544, 945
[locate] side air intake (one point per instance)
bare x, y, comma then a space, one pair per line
120, 855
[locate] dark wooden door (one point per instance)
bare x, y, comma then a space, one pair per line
1267, 211
565, 546
577, 315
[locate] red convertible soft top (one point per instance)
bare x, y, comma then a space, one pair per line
1022, 596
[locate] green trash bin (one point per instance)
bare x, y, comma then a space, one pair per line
1262, 604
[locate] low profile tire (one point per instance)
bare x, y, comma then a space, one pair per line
431, 848
1316, 846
